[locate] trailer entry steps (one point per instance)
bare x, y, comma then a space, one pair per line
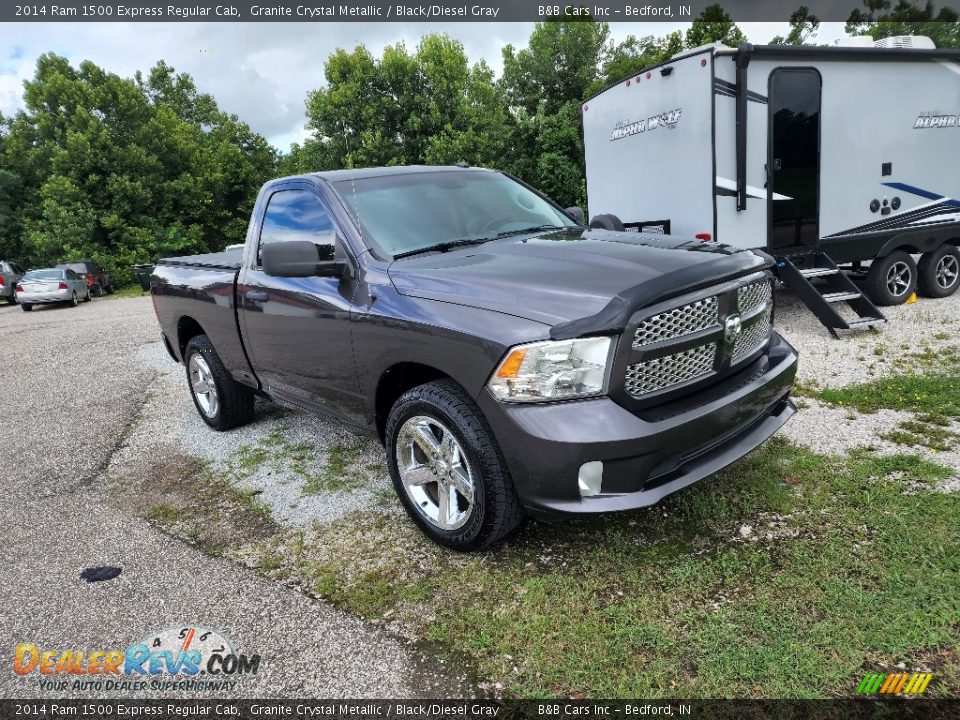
797, 271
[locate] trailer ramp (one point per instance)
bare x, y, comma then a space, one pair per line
799, 271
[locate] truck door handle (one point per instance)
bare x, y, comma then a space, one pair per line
256, 295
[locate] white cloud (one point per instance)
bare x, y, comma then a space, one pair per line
262, 71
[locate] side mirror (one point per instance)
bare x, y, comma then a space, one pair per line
576, 213
300, 258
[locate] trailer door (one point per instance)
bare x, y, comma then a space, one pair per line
794, 158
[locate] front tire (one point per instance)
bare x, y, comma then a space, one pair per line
12, 299
73, 300
447, 469
89, 297
892, 279
938, 272
222, 402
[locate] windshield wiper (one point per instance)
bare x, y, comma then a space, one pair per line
443, 246
533, 228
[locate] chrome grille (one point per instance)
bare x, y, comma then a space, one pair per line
752, 337
756, 294
677, 322
663, 372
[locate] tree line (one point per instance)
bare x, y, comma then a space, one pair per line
126, 170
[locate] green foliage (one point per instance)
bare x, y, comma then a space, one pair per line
123, 170
126, 170
431, 106
884, 19
714, 25
803, 27
402, 108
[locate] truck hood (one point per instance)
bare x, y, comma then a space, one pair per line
573, 280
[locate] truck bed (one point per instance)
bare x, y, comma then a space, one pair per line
227, 260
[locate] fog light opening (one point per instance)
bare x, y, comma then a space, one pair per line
590, 478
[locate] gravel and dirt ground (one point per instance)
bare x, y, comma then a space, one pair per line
113, 449
73, 385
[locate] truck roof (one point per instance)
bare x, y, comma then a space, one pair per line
361, 173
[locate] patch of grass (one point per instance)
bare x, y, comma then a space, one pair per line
340, 471
164, 513
922, 393
789, 575
126, 292
183, 496
925, 434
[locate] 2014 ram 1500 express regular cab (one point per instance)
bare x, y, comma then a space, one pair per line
510, 360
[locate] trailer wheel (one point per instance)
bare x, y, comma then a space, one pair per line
938, 272
892, 279
607, 221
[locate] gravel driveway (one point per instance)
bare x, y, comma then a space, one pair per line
73, 381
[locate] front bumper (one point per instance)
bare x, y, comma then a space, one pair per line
648, 455
47, 297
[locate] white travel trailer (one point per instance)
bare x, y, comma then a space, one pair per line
816, 155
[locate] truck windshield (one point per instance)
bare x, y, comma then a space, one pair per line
403, 213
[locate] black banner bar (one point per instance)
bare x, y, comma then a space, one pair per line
109, 709
425, 11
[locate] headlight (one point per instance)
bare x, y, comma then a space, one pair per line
553, 370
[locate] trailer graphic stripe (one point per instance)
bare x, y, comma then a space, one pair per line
729, 89
925, 215
923, 193
726, 186
942, 209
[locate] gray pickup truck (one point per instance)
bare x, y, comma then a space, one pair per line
511, 361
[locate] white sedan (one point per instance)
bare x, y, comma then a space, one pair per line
56, 285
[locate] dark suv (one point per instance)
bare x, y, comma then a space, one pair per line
97, 278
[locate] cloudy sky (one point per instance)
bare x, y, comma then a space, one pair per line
262, 71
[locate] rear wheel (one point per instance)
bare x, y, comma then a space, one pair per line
109, 289
26, 307
97, 290
938, 272
88, 298
892, 279
447, 469
73, 300
12, 297
222, 402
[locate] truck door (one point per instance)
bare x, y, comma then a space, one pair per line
794, 158
297, 330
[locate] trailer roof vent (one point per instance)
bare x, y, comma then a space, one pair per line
915, 42
856, 41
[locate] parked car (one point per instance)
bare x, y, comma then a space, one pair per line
511, 360
54, 285
10, 274
97, 278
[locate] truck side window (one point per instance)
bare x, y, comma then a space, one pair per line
297, 215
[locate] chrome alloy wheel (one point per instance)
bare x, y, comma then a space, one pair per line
435, 472
898, 278
202, 386
947, 271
